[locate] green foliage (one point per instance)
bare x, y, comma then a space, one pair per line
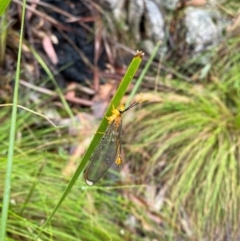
102, 128
3, 6
37, 184
195, 137
187, 144
38, 193
10, 153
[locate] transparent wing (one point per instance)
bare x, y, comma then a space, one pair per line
104, 154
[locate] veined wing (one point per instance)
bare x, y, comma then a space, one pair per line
105, 153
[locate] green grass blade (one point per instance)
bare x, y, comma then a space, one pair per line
3, 6
7, 187
143, 73
102, 128
49, 73
3, 37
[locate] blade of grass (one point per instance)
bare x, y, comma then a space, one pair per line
32, 189
140, 79
7, 186
3, 6
3, 37
34, 112
49, 73
102, 128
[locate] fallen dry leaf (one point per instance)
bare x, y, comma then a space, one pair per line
49, 50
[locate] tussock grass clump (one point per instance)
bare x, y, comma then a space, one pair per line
191, 141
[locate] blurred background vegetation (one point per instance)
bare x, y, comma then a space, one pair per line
181, 149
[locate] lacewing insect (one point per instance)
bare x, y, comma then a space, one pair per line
109, 148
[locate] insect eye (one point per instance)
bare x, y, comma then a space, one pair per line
121, 108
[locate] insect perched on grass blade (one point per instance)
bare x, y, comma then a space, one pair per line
109, 148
